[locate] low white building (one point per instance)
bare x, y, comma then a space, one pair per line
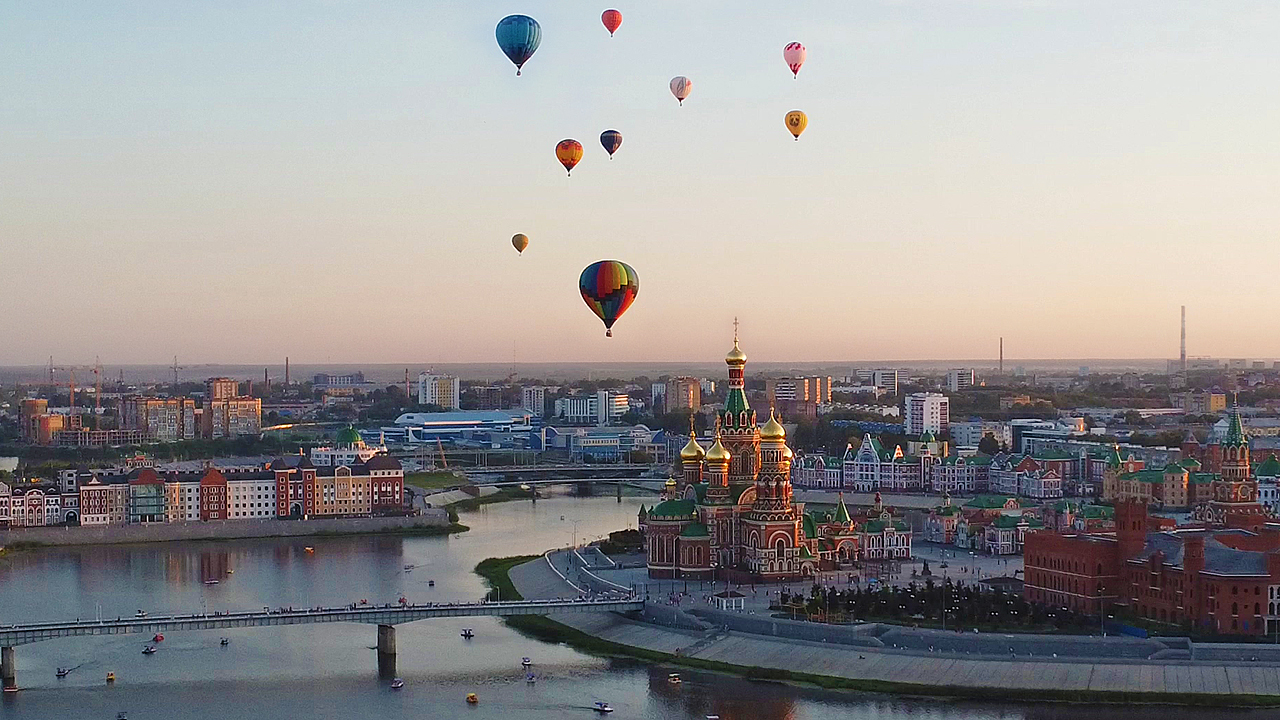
253, 498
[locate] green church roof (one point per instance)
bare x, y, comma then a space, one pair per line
842, 512
1269, 467
1235, 431
809, 525
672, 510
695, 530
348, 436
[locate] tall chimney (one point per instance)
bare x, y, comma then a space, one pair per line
286, 370
1183, 364
1002, 356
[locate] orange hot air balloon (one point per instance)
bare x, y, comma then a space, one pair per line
796, 121
569, 152
520, 241
612, 20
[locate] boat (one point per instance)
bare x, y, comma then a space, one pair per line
309, 549
111, 677
149, 650
530, 678
63, 672
140, 614
210, 582
602, 707
397, 683
224, 642
407, 568
674, 679
157, 638
468, 633
526, 661
472, 698
230, 571
122, 715
713, 717
431, 583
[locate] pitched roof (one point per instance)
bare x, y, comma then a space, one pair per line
672, 510
842, 512
1235, 430
1269, 467
695, 530
989, 502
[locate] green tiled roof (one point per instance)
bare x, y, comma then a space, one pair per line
842, 512
946, 510
1008, 521
700, 490
1235, 430
804, 553
1190, 463
1098, 511
1269, 467
876, 526
1113, 459
1053, 455
672, 510
695, 530
1202, 478
1174, 467
1147, 476
809, 525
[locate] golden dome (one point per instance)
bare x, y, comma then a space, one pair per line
786, 452
692, 451
773, 430
736, 356
718, 453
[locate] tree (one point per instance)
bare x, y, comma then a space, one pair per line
989, 445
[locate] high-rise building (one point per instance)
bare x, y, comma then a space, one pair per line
221, 388
534, 399
884, 379
442, 390
599, 408
327, 380
486, 397
231, 417
925, 412
960, 379
815, 390
165, 419
683, 393
658, 398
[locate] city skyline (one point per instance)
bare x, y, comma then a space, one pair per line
340, 183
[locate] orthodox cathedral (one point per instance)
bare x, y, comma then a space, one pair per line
731, 511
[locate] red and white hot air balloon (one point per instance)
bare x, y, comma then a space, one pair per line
795, 54
681, 86
612, 20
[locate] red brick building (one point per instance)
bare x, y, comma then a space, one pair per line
213, 495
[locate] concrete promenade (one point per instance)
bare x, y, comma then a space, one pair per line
922, 667
223, 530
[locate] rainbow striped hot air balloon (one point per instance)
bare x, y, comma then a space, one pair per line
608, 288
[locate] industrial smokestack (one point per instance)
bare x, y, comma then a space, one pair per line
286, 370
1183, 343
1002, 356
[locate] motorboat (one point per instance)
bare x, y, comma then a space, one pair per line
602, 707
713, 717
230, 571
157, 638
149, 650
210, 582
674, 678
407, 568
111, 677
63, 672
122, 715
472, 698
397, 683
431, 583
309, 550
140, 614
526, 661
530, 678
468, 633
224, 642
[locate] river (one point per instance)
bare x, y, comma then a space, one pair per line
323, 672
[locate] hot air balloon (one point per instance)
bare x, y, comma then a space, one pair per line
518, 36
796, 122
609, 287
520, 241
795, 54
569, 152
611, 140
612, 20
681, 86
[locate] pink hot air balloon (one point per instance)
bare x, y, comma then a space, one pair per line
795, 54
681, 86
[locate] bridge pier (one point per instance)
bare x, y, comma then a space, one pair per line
386, 651
619, 492
8, 669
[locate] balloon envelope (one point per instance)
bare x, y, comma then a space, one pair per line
795, 54
796, 122
681, 86
608, 288
518, 36
612, 20
569, 152
520, 241
611, 140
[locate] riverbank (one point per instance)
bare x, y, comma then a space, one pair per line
432, 522
868, 670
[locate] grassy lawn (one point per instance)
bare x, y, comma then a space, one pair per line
435, 480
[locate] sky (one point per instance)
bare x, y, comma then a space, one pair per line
338, 181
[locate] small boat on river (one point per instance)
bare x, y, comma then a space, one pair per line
111, 677
149, 650
210, 582
468, 633
472, 698
224, 642
397, 683
530, 678
526, 662
602, 707
140, 614
63, 672
674, 679
157, 638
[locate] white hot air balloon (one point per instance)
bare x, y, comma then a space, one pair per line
681, 86
795, 54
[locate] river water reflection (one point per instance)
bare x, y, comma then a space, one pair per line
317, 672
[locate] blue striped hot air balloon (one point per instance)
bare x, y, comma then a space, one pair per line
518, 36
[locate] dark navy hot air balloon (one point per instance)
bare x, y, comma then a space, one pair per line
611, 140
609, 287
518, 36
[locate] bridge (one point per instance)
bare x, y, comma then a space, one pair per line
386, 617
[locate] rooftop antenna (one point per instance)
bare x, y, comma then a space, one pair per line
1183, 356
1002, 356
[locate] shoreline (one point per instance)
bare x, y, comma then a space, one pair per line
348, 527
496, 572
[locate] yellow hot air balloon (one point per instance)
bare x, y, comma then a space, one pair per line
797, 121
520, 241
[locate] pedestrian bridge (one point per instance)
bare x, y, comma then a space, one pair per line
14, 635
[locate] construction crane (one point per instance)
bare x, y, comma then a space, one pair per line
97, 387
176, 368
444, 461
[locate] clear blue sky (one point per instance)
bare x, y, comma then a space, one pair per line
338, 181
